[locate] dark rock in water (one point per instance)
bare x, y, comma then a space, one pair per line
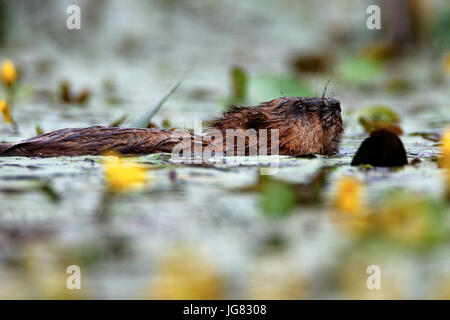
382, 149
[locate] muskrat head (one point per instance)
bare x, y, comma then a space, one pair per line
325, 108
306, 124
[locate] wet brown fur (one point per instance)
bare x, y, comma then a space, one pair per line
306, 126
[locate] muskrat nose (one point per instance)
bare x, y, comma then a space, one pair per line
334, 104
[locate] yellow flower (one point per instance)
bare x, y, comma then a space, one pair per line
445, 158
351, 214
122, 175
350, 196
411, 219
447, 64
8, 73
445, 142
5, 110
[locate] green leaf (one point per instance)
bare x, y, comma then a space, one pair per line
359, 70
377, 117
239, 84
265, 88
277, 198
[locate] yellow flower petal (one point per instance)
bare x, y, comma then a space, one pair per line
445, 158
350, 196
123, 176
5, 110
445, 142
8, 72
447, 64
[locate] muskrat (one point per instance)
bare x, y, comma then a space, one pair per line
305, 126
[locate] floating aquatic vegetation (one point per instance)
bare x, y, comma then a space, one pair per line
411, 219
185, 274
381, 149
403, 218
67, 96
380, 117
268, 87
310, 63
359, 70
247, 89
380, 51
277, 197
399, 85
272, 243
43, 186
64, 91
427, 136
110, 92
119, 121
166, 124
280, 197
152, 125
83, 96
39, 130
47, 189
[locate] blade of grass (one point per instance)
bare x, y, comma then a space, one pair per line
142, 121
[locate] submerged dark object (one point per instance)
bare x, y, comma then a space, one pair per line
304, 126
382, 149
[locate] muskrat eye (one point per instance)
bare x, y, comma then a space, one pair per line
300, 106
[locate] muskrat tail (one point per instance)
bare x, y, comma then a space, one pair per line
11, 150
4, 147
96, 140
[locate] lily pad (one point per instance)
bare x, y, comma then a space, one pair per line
380, 117
360, 70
